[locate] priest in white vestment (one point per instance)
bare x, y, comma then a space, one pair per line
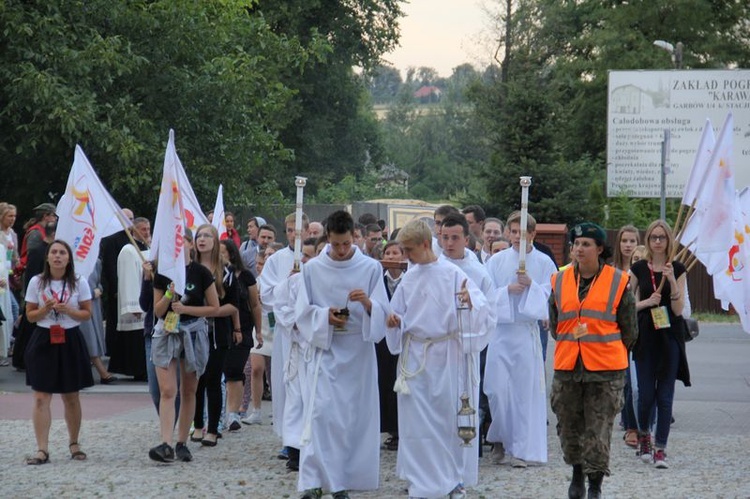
514, 375
128, 354
435, 356
341, 310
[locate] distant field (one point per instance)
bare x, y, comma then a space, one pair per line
381, 110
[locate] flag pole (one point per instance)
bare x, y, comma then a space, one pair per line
130, 236
678, 232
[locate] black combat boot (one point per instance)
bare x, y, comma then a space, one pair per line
577, 487
595, 485
292, 463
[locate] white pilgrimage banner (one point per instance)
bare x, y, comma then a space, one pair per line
168, 244
642, 104
87, 213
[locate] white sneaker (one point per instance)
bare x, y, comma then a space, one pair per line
660, 459
253, 418
233, 421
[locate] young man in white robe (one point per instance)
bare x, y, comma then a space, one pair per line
285, 296
435, 357
514, 375
454, 238
277, 269
341, 310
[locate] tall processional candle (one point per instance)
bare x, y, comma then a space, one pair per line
525, 183
300, 183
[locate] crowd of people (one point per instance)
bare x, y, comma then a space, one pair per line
429, 340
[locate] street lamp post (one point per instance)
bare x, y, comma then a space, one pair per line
676, 52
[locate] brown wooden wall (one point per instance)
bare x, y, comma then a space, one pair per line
556, 237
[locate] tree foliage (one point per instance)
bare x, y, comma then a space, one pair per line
440, 146
334, 132
256, 92
548, 117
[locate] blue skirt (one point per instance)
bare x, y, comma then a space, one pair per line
63, 368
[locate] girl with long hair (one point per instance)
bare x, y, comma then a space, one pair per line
224, 330
628, 238
185, 342
250, 318
57, 360
659, 353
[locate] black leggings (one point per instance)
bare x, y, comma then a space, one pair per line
209, 388
234, 364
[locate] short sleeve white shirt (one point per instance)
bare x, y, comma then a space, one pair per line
61, 292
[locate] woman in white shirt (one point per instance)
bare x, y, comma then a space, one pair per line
57, 360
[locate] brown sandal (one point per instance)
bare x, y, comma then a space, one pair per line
631, 438
78, 455
36, 460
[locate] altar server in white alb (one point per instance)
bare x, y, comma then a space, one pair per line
514, 374
435, 355
341, 311
277, 269
293, 420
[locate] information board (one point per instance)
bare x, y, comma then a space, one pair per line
642, 104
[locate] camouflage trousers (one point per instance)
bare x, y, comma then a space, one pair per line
585, 416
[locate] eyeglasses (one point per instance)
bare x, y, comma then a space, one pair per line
657, 239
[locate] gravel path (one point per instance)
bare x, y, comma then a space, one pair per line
244, 464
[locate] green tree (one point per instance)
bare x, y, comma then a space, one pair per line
547, 108
334, 132
439, 146
114, 77
383, 83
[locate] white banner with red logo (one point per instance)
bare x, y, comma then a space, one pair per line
87, 213
194, 216
169, 227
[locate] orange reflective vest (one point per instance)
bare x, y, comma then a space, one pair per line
602, 348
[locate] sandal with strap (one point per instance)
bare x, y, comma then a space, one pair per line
78, 455
631, 438
36, 460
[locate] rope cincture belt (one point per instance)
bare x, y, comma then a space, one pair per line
404, 374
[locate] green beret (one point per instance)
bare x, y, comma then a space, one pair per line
588, 229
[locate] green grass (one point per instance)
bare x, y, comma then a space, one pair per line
712, 317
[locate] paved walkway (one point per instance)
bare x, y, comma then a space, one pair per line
709, 446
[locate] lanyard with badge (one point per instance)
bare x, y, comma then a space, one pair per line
659, 315
56, 331
582, 329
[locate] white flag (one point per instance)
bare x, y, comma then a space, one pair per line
697, 177
732, 285
194, 216
87, 213
717, 198
169, 226
218, 220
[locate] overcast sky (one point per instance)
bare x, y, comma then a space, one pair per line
443, 34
